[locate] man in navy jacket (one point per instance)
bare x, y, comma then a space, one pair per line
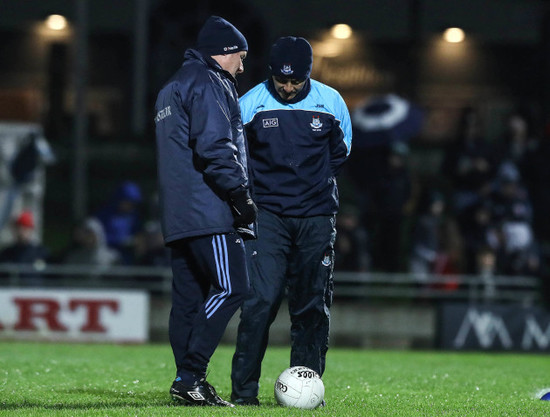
299, 135
206, 209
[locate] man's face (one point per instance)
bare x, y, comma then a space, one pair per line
232, 63
288, 88
23, 234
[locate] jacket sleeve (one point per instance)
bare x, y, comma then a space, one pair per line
212, 140
340, 137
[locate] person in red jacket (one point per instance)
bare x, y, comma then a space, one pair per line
25, 248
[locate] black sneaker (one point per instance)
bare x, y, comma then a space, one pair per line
201, 393
245, 401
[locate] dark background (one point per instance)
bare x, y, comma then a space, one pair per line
133, 46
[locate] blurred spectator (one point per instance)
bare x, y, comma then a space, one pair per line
510, 198
150, 248
23, 170
351, 249
89, 246
517, 139
121, 219
512, 211
469, 165
25, 249
450, 258
479, 231
486, 269
426, 238
486, 261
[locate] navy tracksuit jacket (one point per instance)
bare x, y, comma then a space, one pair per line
201, 154
201, 150
296, 150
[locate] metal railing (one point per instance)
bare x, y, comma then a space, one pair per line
497, 288
521, 289
155, 279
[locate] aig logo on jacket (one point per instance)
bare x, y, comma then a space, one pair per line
274, 122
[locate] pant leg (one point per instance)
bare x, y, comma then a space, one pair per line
267, 264
217, 265
188, 294
310, 291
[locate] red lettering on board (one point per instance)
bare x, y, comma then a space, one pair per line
93, 308
31, 309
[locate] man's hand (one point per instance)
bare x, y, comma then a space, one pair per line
243, 208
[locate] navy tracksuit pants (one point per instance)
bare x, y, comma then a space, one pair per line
296, 254
210, 281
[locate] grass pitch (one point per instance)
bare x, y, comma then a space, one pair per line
39, 379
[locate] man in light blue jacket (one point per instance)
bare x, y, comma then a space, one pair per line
299, 135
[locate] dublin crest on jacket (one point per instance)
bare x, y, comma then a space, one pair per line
316, 124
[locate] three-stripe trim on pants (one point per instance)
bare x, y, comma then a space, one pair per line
219, 246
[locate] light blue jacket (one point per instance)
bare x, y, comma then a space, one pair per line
296, 149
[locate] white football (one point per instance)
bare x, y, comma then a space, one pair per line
299, 387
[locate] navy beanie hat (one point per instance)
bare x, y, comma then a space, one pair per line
219, 37
291, 57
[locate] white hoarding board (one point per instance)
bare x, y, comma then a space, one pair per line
74, 315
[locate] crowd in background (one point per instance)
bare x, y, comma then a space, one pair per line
484, 213
117, 233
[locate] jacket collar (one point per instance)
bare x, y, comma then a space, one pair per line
209, 62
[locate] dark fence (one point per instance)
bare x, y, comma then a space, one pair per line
348, 285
